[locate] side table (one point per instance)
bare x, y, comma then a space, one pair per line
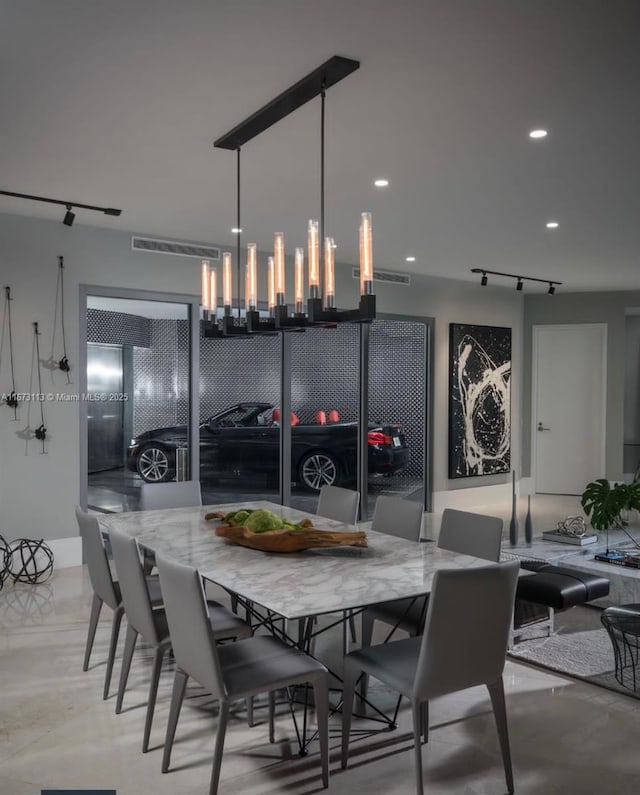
623, 625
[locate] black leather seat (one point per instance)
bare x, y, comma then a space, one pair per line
560, 587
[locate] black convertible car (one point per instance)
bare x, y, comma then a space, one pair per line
244, 439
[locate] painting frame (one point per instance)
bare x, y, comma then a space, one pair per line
479, 400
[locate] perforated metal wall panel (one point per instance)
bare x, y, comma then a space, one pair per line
161, 377
118, 328
233, 370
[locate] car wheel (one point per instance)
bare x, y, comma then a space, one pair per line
317, 470
153, 464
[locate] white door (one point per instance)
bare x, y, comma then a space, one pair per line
568, 406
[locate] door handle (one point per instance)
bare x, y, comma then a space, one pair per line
541, 427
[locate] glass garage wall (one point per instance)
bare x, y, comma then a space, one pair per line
138, 406
239, 438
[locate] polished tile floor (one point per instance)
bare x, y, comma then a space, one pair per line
567, 737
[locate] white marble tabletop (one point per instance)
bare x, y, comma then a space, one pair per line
293, 585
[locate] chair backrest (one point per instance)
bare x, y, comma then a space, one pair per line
191, 634
466, 629
334, 415
179, 494
320, 417
339, 504
95, 556
398, 517
133, 585
471, 534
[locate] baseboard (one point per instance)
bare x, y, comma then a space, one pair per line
463, 499
67, 552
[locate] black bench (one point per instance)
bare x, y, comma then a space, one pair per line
553, 588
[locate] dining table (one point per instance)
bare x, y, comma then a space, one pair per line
296, 585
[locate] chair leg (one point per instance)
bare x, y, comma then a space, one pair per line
129, 646
177, 697
425, 721
496, 692
113, 645
350, 676
365, 641
250, 720
153, 693
416, 708
321, 697
217, 754
352, 627
96, 607
272, 712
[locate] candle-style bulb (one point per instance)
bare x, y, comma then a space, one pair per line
205, 287
366, 255
271, 286
226, 282
298, 281
329, 273
314, 260
278, 257
213, 292
251, 288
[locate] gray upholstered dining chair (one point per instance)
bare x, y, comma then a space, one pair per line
460, 648
339, 504
150, 623
468, 533
177, 494
232, 672
105, 590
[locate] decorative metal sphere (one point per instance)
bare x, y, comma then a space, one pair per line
30, 560
5, 558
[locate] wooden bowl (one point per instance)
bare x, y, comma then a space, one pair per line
287, 540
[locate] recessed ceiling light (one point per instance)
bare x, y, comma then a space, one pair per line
411, 259
381, 183
236, 231
552, 224
538, 134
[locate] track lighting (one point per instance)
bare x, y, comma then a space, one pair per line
520, 279
69, 217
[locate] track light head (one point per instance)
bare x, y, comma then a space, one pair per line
519, 285
69, 217
551, 289
484, 280
111, 211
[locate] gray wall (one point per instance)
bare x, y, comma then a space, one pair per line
38, 492
606, 308
632, 394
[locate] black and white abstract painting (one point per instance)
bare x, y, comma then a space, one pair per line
479, 400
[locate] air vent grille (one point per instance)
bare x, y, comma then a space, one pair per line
391, 277
174, 248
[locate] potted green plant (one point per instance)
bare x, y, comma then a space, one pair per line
607, 505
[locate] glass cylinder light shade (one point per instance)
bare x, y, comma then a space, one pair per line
329, 273
278, 257
314, 260
366, 255
271, 285
213, 292
251, 286
205, 287
298, 281
227, 277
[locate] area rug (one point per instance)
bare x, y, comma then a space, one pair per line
580, 648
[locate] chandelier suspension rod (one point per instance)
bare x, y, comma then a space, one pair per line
323, 95
238, 230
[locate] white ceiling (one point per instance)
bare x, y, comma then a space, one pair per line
117, 103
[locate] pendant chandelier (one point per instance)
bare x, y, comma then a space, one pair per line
320, 310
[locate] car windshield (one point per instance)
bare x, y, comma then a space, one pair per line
242, 415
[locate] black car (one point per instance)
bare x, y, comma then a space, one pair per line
245, 439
